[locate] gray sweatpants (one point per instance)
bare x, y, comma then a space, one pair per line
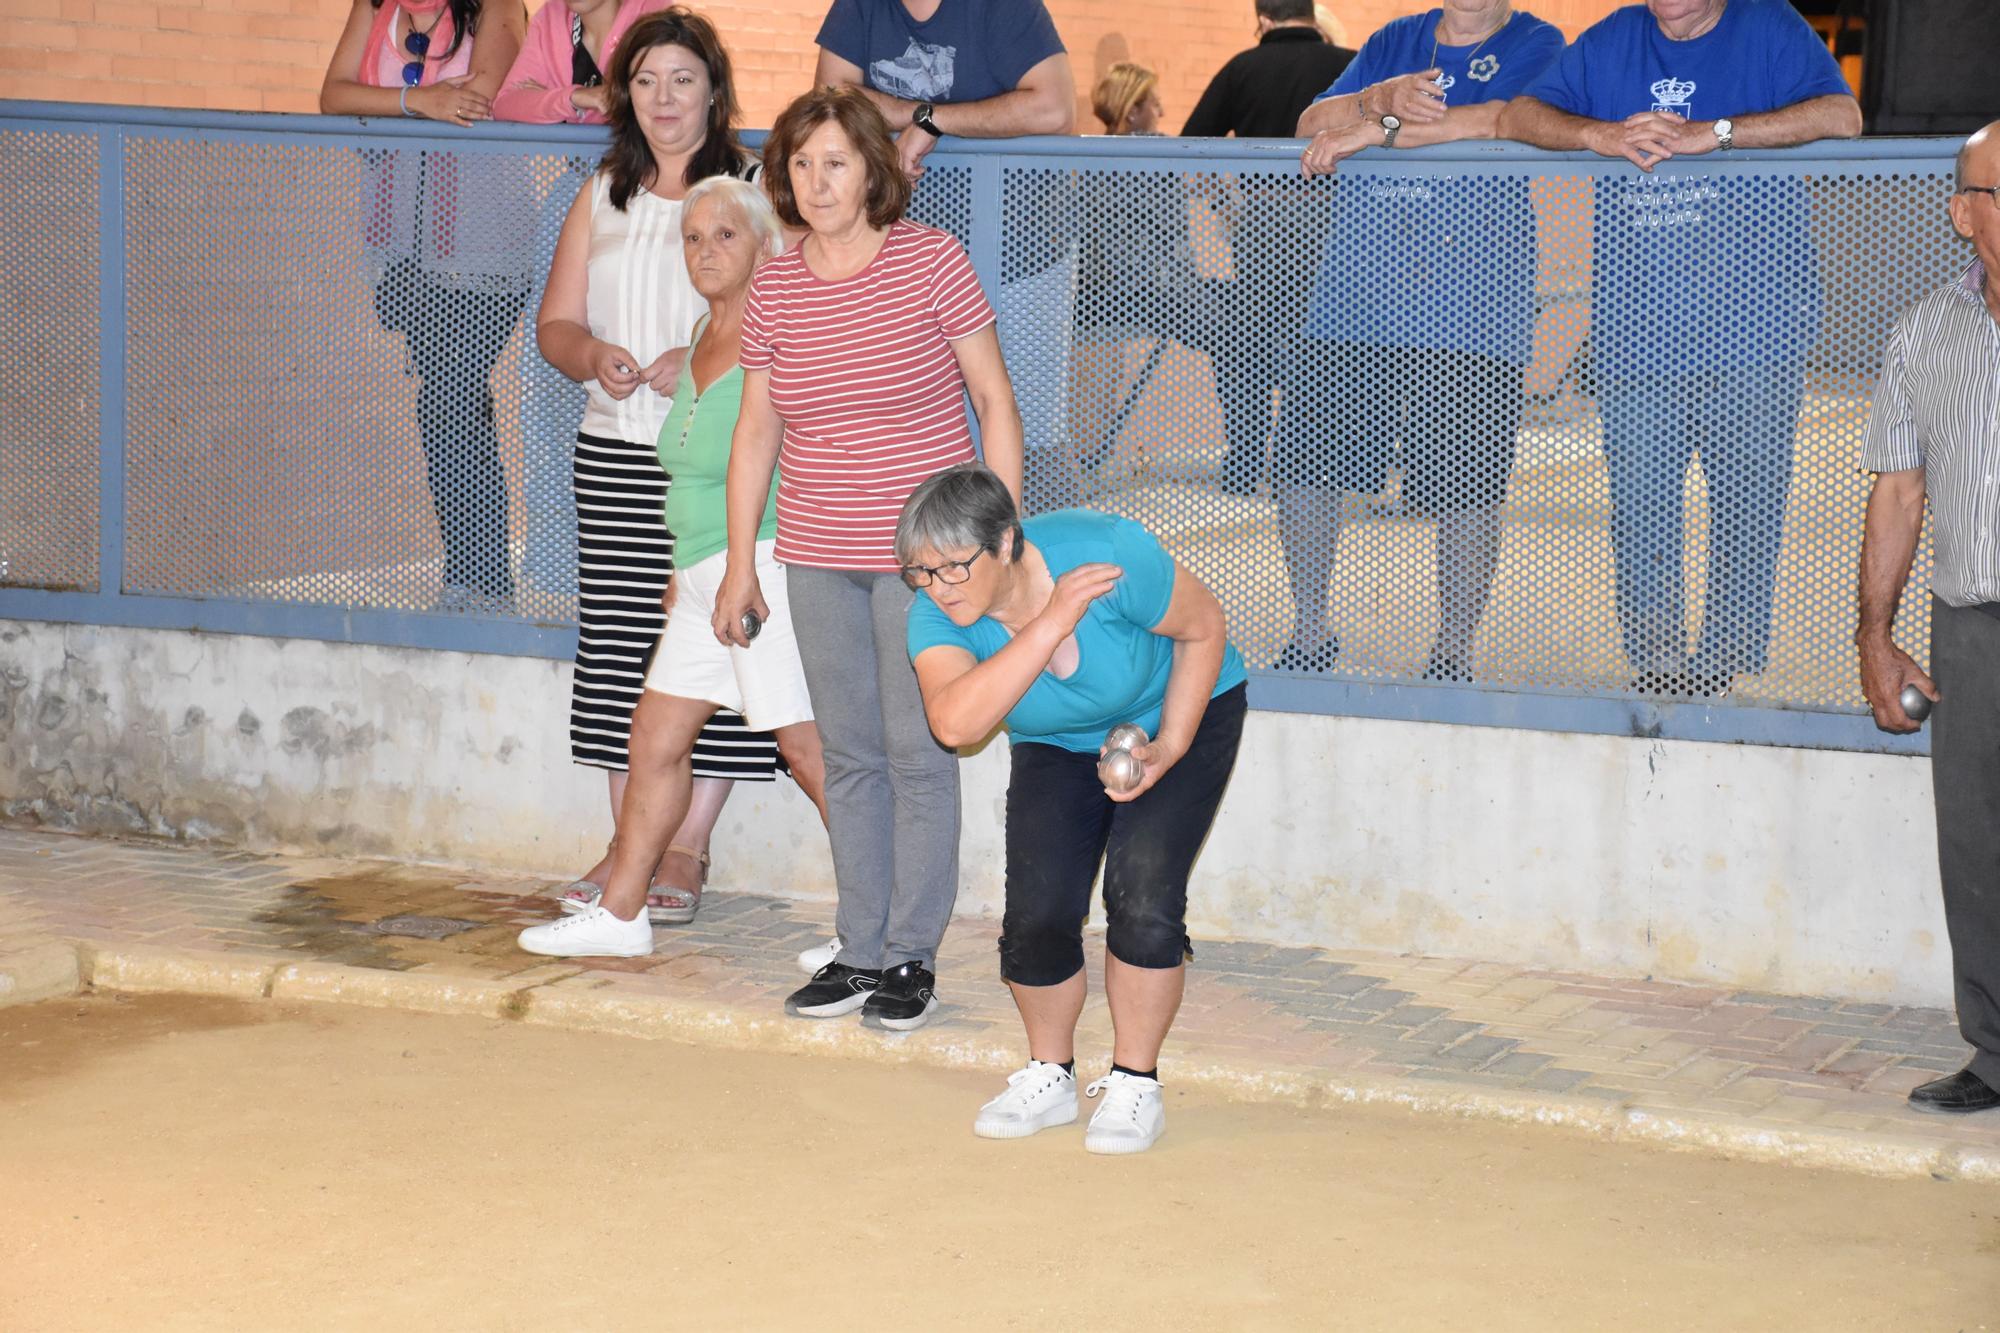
891, 789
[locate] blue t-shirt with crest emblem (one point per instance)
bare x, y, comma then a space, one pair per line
1697, 268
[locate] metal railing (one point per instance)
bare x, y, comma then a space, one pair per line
1542, 442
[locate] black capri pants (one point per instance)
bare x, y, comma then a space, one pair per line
1060, 824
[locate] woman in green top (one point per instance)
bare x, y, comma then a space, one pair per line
727, 228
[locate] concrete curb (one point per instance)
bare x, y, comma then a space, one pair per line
32, 970
553, 998
421, 992
140, 970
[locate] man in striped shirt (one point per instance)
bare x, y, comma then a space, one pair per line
1934, 434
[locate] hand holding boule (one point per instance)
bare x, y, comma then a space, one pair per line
1916, 704
1120, 771
1125, 736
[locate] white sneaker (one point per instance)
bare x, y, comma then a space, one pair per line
813, 959
1131, 1117
1039, 1097
594, 933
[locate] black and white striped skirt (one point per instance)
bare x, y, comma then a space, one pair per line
624, 555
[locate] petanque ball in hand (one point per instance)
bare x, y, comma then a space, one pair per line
751, 624
1916, 704
1120, 771
1126, 736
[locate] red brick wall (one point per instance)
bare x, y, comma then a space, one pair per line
269, 55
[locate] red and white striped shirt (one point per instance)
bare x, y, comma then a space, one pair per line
863, 374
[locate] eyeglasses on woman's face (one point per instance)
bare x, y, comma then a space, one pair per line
952, 571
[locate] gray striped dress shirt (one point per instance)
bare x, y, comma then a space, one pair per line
1937, 407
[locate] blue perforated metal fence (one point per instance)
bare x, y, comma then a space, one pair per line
1471, 434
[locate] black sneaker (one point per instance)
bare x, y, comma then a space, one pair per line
835, 989
905, 1001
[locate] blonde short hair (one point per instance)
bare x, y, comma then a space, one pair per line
749, 201
1122, 88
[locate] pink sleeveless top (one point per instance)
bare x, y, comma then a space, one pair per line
382, 60
465, 218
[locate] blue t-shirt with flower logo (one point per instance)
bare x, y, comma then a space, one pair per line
1436, 258
1122, 664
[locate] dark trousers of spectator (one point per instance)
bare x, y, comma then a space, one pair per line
457, 339
1742, 423
1282, 233
1965, 771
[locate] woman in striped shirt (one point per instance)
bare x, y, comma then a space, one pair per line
616, 318
859, 347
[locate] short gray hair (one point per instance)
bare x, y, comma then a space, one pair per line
749, 201
962, 507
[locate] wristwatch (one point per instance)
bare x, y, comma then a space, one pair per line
921, 118
1391, 127
1725, 134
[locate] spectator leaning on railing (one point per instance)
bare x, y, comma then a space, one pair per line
1419, 323
979, 69
449, 235
1706, 299
559, 75
1934, 434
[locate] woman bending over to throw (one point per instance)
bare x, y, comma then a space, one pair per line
1061, 628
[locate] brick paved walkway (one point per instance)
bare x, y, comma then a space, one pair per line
1763, 1075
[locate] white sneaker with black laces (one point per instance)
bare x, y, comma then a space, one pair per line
1131, 1117
591, 933
1039, 1097
813, 959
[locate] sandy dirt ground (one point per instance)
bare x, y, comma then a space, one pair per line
196, 1164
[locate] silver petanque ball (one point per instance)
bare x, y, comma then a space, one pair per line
751, 624
1120, 771
1916, 704
1126, 736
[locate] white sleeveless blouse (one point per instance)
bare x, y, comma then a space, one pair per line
640, 299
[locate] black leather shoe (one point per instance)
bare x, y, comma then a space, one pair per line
1954, 1094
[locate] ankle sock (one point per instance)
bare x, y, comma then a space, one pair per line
1067, 1066
1153, 1073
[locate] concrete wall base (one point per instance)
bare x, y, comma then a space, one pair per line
1811, 872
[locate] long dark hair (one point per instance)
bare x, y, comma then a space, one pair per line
630, 158
464, 23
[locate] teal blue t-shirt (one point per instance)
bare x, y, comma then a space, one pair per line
1122, 665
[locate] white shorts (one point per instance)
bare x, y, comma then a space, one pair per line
764, 682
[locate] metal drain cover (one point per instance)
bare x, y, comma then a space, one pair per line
419, 927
